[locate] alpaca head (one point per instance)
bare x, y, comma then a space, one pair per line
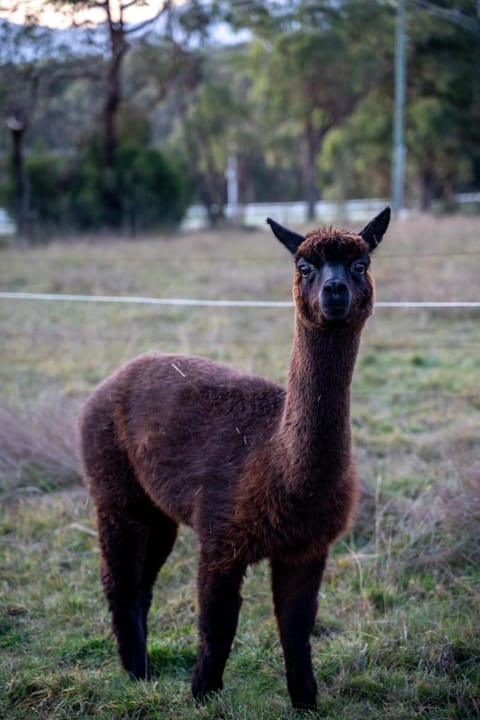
333, 286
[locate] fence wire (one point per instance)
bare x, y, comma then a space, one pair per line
204, 302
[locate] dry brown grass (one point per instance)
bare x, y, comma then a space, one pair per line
437, 529
38, 447
446, 525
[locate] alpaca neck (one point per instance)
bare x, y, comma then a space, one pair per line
315, 427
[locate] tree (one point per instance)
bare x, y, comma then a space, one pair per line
42, 73
200, 97
115, 14
31, 68
312, 63
355, 160
442, 114
443, 98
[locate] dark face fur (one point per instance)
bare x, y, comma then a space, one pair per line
333, 286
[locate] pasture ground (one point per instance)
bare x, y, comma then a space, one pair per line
398, 630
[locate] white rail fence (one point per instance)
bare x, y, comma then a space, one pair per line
254, 214
7, 226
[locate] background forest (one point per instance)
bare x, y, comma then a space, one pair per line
125, 123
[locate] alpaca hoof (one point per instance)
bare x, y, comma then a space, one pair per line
140, 671
136, 676
305, 701
304, 706
203, 697
203, 691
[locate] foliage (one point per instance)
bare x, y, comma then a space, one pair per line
443, 104
211, 132
296, 65
305, 101
443, 91
355, 158
151, 190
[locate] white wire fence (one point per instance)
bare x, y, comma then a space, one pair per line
199, 302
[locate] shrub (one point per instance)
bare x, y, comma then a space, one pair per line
48, 183
148, 190
151, 191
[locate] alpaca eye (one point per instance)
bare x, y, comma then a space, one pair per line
360, 268
305, 270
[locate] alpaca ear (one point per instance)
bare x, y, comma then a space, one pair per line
376, 228
290, 239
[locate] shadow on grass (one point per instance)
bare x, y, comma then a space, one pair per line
91, 653
172, 660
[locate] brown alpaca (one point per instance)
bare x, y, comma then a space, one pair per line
259, 471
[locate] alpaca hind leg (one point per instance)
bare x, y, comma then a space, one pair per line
162, 534
123, 544
220, 601
295, 590
132, 553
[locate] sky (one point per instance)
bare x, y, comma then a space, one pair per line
52, 15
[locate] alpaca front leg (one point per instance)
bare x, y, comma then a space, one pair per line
220, 601
295, 590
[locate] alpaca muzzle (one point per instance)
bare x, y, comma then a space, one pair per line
335, 297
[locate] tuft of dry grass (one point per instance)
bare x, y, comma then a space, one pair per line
449, 522
38, 446
438, 528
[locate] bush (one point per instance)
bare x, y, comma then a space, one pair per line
151, 191
144, 191
48, 184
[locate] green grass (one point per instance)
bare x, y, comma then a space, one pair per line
398, 629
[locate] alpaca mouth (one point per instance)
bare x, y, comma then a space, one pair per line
335, 310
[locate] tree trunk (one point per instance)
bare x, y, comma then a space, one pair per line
20, 179
119, 47
310, 149
214, 181
427, 188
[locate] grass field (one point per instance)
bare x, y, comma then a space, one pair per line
398, 630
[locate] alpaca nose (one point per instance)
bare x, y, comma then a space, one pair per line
335, 298
336, 289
